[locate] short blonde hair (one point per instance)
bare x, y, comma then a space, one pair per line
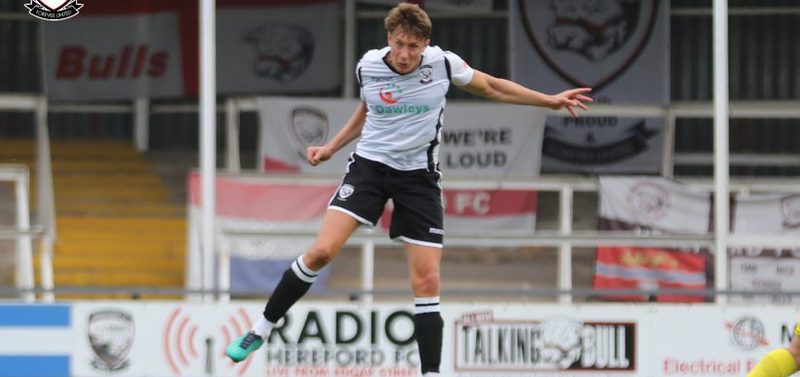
410, 18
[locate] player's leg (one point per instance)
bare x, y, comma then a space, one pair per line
359, 200
781, 362
423, 267
297, 279
418, 220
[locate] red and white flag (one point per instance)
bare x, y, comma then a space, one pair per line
654, 205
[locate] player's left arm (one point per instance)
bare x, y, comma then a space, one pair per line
502, 90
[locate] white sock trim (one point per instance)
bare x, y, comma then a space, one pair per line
262, 327
302, 271
426, 305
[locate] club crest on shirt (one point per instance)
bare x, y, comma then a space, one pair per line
425, 74
345, 191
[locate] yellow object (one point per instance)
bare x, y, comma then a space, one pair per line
797, 329
777, 363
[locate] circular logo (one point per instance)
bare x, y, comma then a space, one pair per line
648, 201
747, 333
345, 191
390, 93
425, 74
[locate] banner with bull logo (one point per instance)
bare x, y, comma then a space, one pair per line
124, 49
478, 140
652, 205
620, 48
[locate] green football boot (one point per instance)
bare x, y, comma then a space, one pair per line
242, 346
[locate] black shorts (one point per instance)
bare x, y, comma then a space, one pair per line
418, 215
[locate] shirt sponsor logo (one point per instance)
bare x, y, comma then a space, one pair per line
390, 93
402, 109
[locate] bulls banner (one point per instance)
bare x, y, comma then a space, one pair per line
252, 204
118, 50
764, 269
478, 140
619, 48
655, 205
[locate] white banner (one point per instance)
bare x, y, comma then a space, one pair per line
482, 339
478, 140
655, 203
112, 57
761, 269
618, 48
279, 49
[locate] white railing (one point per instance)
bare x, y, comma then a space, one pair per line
23, 233
564, 238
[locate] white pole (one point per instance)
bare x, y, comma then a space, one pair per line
24, 247
721, 174
208, 127
668, 155
349, 47
367, 269
45, 199
46, 267
233, 164
565, 250
141, 123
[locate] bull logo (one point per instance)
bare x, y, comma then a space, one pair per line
111, 334
562, 342
589, 42
283, 52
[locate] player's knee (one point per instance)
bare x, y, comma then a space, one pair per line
426, 284
320, 255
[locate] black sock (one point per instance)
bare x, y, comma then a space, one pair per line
293, 285
428, 327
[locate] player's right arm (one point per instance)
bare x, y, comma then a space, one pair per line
350, 131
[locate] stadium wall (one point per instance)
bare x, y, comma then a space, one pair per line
351, 339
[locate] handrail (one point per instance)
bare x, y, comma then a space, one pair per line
564, 238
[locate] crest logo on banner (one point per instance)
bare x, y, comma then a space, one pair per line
747, 333
283, 52
648, 201
790, 207
53, 10
111, 334
573, 35
309, 127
